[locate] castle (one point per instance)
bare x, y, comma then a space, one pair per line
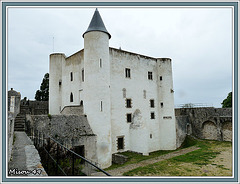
128, 98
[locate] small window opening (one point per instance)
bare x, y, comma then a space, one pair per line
152, 103
60, 82
127, 72
150, 136
120, 143
161, 104
128, 103
83, 75
101, 106
81, 103
124, 92
152, 115
129, 118
71, 76
160, 78
150, 77
144, 94
100, 63
71, 97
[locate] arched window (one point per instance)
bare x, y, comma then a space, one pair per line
71, 97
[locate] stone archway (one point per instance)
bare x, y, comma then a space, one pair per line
227, 131
209, 130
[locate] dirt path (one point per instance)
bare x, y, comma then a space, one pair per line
121, 170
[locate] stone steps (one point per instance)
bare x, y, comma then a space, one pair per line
19, 124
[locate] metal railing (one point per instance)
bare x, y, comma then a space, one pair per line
193, 105
58, 160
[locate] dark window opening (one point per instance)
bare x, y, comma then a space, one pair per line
160, 78
151, 103
100, 63
71, 76
80, 150
83, 75
81, 103
127, 72
128, 103
71, 97
161, 105
150, 77
129, 118
101, 106
152, 115
150, 136
60, 83
120, 143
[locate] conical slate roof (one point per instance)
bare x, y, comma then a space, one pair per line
97, 24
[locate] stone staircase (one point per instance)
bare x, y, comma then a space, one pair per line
19, 124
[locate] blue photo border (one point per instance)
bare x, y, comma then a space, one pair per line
110, 179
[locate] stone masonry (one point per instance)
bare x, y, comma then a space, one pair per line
204, 123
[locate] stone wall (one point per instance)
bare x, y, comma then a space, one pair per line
76, 110
69, 130
181, 129
34, 107
14, 98
119, 159
205, 123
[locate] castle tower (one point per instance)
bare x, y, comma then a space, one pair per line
167, 125
96, 86
55, 80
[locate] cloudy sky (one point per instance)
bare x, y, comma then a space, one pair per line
199, 41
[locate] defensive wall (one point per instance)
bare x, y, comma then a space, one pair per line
70, 130
33, 107
204, 123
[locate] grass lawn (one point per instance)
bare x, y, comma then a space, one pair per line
136, 157
212, 159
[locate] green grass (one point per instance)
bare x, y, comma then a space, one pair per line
136, 157
173, 166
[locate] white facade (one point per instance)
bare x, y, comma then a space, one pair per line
104, 81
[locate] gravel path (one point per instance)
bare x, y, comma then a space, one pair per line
119, 171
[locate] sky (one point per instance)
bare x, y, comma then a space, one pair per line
198, 40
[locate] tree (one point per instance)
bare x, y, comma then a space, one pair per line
228, 101
43, 93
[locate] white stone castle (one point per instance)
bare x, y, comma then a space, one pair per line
127, 97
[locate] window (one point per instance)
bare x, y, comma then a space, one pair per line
160, 78
60, 82
152, 103
128, 103
150, 136
100, 63
161, 105
71, 97
101, 107
150, 77
120, 143
152, 115
71, 76
129, 118
127, 72
83, 75
144, 94
124, 92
